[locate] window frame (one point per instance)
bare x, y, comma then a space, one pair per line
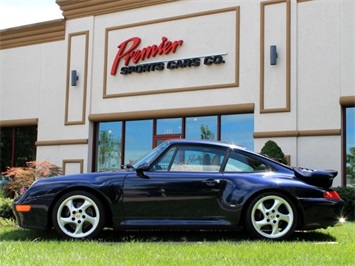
344, 147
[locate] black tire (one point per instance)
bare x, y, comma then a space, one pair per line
271, 215
78, 214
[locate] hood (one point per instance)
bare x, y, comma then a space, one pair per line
319, 178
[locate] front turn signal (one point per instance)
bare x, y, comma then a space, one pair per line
23, 208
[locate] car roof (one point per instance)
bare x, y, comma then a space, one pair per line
205, 142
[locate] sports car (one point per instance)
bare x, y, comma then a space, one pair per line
188, 185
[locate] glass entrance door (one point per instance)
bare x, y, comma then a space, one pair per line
158, 139
167, 128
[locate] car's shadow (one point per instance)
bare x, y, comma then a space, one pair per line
203, 236
111, 236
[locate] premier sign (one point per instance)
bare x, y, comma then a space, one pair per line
128, 53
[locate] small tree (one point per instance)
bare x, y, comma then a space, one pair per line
22, 177
271, 149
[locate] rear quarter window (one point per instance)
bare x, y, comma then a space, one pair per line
240, 162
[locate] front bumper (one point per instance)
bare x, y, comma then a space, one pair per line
36, 218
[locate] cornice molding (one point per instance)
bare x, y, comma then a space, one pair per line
297, 133
43, 32
19, 122
83, 8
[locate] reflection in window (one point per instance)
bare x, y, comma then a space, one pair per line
139, 139
169, 126
109, 146
17, 146
25, 145
6, 148
350, 146
204, 127
238, 129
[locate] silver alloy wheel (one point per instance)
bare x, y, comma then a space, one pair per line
272, 217
78, 216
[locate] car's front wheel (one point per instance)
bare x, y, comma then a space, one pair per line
78, 214
271, 215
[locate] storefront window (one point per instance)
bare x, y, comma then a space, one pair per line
138, 139
17, 146
203, 127
6, 148
169, 126
109, 146
350, 146
238, 129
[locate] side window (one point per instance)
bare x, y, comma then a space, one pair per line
164, 162
238, 162
197, 159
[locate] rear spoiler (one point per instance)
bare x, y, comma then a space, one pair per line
319, 178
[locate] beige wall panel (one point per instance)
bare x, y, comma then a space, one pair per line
73, 166
274, 75
76, 95
318, 69
313, 154
21, 74
347, 48
59, 154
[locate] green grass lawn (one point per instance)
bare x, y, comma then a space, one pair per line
333, 246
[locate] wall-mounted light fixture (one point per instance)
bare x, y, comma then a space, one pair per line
74, 77
273, 55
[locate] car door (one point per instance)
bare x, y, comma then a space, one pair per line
244, 175
181, 187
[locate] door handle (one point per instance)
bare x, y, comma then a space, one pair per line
211, 182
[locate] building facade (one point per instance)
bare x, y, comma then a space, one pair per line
113, 79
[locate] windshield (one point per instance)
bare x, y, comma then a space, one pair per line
150, 156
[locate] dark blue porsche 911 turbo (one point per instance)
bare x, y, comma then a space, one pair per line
186, 184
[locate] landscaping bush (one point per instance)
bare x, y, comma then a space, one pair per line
5, 208
348, 195
271, 149
22, 177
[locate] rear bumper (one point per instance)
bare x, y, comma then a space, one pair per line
320, 213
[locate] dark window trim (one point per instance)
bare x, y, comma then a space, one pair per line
343, 146
345, 102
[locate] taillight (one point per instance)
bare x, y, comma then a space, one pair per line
331, 194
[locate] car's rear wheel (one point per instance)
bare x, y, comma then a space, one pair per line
271, 215
78, 214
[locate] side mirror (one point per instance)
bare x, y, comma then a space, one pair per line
140, 170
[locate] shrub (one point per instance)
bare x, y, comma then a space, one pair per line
22, 177
5, 208
271, 149
348, 195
